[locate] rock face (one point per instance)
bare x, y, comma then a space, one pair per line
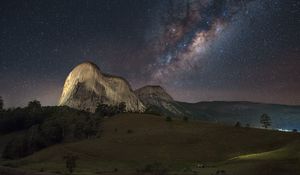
86, 86
152, 95
156, 98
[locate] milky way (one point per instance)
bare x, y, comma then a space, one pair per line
189, 28
199, 50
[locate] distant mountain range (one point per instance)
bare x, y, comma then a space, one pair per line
283, 116
86, 86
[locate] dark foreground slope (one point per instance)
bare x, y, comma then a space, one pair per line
131, 141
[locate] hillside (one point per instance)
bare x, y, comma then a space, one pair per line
283, 116
131, 141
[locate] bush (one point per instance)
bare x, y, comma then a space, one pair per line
238, 124
9, 164
34, 106
153, 110
168, 119
1, 104
221, 172
185, 118
110, 110
70, 162
265, 120
154, 168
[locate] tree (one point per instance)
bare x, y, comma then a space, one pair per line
168, 119
122, 107
45, 127
154, 168
110, 110
70, 162
247, 125
1, 103
52, 131
238, 124
265, 120
185, 118
34, 106
101, 109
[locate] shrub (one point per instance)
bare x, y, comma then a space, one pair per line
185, 118
34, 106
265, 120
168, 119
70, 162
1, 104
9, 164
110, 110
238, 124
153, 110
221, 172
154, 168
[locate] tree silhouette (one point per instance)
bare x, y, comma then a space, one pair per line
237, 124
110, 110
70, 162
247, 125
122, 107
265, 120
168, 119
34, 106
1, 104
185, 118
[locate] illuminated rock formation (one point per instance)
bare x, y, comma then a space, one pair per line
86, 86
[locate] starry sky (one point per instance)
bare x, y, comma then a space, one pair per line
198, 50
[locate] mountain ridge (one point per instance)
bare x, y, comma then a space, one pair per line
86, 87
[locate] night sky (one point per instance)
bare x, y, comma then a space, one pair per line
199, 50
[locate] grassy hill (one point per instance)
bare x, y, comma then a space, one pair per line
131, 141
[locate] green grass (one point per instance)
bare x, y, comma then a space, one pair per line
178, 145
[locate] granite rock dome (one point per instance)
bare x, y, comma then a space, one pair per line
86, 86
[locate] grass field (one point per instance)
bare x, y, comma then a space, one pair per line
131, 141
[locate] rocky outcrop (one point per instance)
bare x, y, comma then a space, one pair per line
86, 86
152, 95
156, 98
